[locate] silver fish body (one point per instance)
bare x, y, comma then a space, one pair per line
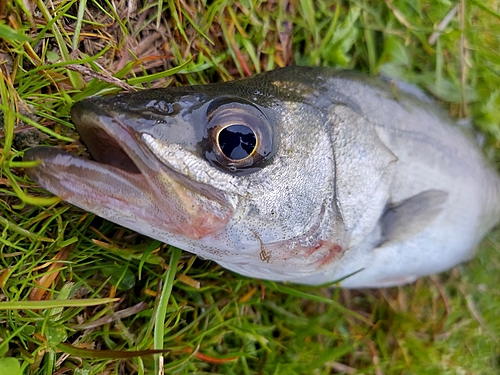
308, 175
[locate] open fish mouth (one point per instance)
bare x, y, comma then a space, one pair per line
126, 182
108, 139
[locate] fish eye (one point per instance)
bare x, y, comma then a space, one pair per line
240, 136
237, 142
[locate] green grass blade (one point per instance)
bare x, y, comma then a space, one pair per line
161, 311
107, 354
53, 304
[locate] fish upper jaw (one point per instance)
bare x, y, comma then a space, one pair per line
194, 168
127, 183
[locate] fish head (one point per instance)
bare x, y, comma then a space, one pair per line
242, 173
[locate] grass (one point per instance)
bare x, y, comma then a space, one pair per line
80, 295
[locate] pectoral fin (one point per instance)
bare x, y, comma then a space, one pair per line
411, 216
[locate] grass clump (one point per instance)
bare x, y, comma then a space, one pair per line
81, 295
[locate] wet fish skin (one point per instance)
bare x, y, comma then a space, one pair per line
360, 179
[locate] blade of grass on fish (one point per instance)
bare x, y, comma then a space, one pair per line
98, 87
53, 304
24, 164
37, 201
161, 311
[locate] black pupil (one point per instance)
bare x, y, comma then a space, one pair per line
237, 141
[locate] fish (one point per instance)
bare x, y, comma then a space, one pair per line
308, 175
